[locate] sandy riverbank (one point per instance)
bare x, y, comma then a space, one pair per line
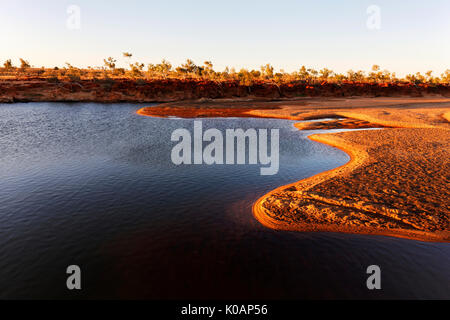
396, 184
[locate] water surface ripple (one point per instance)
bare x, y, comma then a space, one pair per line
93, 185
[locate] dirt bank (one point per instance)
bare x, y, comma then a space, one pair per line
165, 90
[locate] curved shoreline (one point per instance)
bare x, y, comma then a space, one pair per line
358, 157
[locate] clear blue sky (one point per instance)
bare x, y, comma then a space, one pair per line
414, 35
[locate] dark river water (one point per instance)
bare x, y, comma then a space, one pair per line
93, 185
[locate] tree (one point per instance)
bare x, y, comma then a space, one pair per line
313, 74
245, 78
339, 77
164, 68
208, 65
256, 74
110, 63
415, 78
208, 70
189, 67
136, 69
325, 73
8, 64
357, 76
430, 78
224, 75
278, 77
73, 73
376, 75
385, 76
127, 57
161, 69
151, 69
445, 77
303, 74
24, 64
267, 71
420, 77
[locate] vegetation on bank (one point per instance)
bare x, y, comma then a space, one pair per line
190, 70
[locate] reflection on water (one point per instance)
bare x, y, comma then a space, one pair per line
93, 185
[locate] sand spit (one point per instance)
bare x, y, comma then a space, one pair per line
396, 183
165, 110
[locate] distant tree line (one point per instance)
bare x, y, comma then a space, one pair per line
190, 70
